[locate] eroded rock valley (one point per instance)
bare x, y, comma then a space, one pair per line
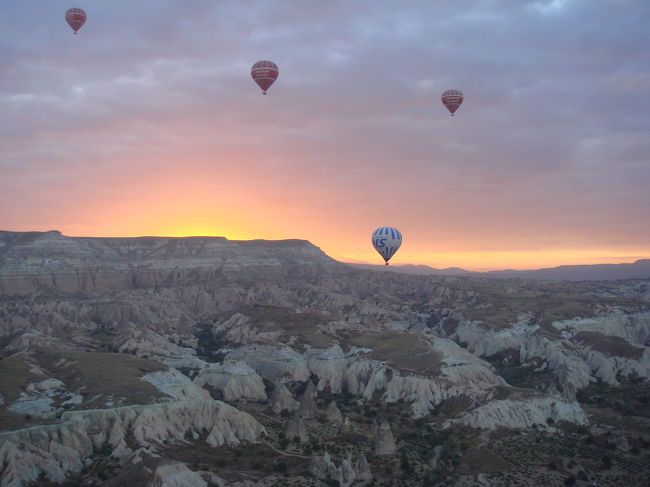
207, 362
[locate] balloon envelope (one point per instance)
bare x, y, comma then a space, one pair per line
75, 17
386, 241
264, 73
452, 99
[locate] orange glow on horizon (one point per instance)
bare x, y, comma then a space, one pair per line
238, 228
516, 260
222, 203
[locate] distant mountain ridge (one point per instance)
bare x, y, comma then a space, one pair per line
418, 270
35, 257
639, 269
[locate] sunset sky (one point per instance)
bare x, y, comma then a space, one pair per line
148, 123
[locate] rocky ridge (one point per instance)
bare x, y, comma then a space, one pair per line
58, 449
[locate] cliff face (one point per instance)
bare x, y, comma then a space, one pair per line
33, 261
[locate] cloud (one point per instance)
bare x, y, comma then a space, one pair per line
549, 149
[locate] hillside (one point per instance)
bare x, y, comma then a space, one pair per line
596, 272
260, 363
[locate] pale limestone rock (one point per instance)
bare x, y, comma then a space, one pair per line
322, 467
346, 473
333, 414
524, 413
273, 362
38, 397
574, 363
235, 379
48, 260
362, 468
214, 480
633, 327
310, 389
296, 428
145, 342
460, 373
238, 330
482, 480
176, 385
282, 400
330, 366
307, 407
384, 441
177, 474
424, 393
346, 427
24, 463
609, 368
188, 361
58, 449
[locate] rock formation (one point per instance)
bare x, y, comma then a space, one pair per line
176, 385
362, 468
346, 426
54, 450
307, 407
236, 380
346, 473
38, 397
333, 414
322, 467
384, 441
517, 412
310, 389
49, 260
282, 400
274, 363
286, 313
458, 373
177, 475
605, 347
296, 429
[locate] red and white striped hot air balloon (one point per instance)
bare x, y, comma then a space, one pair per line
264, 73
452, 99
75, 17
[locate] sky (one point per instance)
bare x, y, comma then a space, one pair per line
148, 123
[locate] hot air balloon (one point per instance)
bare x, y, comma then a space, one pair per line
386, 241
75, 17
264, 73
452, 99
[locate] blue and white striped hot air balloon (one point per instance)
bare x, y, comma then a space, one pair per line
386, 241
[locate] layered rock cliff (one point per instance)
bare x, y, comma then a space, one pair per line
36, 261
